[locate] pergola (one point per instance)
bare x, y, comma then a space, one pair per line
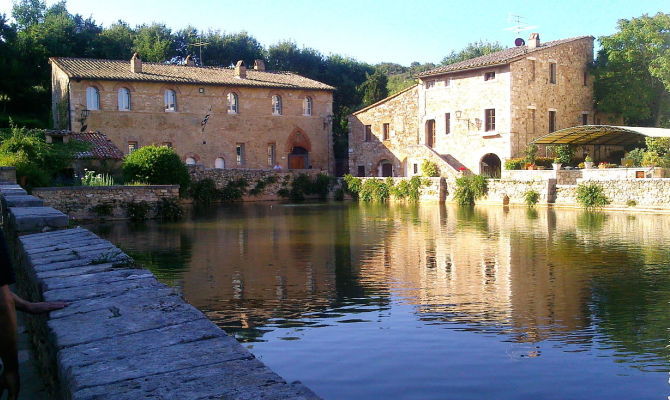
603, 135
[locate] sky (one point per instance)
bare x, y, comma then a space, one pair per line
375, 30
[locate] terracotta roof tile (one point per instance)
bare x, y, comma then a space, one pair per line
499, 57
87, 68
102, 147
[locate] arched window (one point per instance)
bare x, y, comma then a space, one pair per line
170, 100
233, 103
189, 161
276, 105
124, 99
220, 163
307, 106
92, 98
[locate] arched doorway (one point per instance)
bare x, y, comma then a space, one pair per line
190, 161
430, 133
489, 166
298, 158
385, 168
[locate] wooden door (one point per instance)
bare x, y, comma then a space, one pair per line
387, 169
296, 162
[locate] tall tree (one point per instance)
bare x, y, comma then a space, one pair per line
115, 42
28, 12
154, 43
374, 88
472, 50
632, 71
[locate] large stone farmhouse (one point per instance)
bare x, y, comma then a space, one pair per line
215, 117
474, 114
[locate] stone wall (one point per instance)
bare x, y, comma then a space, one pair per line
81, 202
507, 191
123, 335
400, 113
222, 177
645, 192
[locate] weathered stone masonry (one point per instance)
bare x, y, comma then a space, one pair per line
124, 334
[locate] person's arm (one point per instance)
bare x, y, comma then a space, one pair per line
9, 380
37, 308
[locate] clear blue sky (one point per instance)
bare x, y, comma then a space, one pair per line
398, 31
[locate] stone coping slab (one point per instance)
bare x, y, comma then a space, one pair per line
101, 188
21, 200
127, 336
31, 219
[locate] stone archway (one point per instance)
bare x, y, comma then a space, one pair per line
490, 166
384, 168
298, 147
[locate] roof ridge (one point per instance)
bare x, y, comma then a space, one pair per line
472, 63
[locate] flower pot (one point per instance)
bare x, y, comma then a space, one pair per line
588, 164
557, 166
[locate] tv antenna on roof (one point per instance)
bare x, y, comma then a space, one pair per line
200, 44
519, 26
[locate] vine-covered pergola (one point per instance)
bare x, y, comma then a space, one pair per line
601, 135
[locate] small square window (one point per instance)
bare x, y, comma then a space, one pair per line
167, 144
430, 84
201, 90
132, 146
361, 170
489, 76
585, 119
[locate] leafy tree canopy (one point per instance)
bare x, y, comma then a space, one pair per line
472, 50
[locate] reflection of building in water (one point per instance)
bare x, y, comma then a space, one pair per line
470, 267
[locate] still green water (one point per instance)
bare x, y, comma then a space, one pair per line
429, 301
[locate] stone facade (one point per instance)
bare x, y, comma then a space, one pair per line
444, 118
254, 125
644, 192
80, 202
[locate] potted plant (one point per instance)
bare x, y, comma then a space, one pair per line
588, 162
557, 164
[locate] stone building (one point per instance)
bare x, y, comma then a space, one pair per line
215, 117
474, 114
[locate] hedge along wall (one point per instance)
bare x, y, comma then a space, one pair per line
92, 202
433, 189
222, 177
645, 192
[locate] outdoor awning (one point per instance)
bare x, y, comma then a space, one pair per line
607, 135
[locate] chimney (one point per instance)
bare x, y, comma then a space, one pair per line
240, 70
534, 41
189, 61
136, 63
259, 65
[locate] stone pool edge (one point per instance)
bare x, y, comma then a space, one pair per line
124, 335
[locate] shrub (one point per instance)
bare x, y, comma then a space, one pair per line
137, 210
430, 169
653, 159
203, 191
514, 163
352, 185
339, 194
234, 190
530, 153
590, 195
631, 203
374, 190
103, 209
156, 165
321, 186
531, 197
261, 184
564, 153
544, 161
169, 210
409, 189
470, 188
658, 145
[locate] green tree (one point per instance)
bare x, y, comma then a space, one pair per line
374, 88
115, 42
156, 165
28, 12
154, 43
632, 71
472, 50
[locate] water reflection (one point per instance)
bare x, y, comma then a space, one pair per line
540, 280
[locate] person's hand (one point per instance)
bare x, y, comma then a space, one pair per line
45, 307
9, 381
